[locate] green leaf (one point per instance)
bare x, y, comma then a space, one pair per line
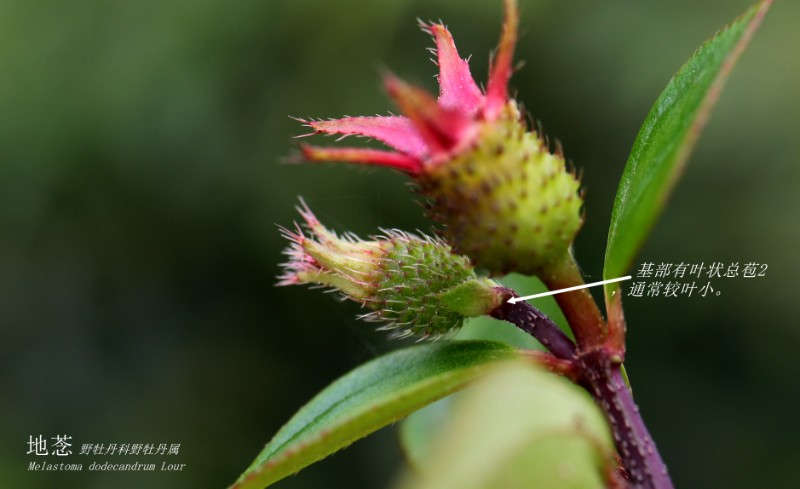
519, 427
667, 138
368, 398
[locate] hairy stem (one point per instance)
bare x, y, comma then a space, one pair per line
643, 464
616, 320
598, 369
535, 323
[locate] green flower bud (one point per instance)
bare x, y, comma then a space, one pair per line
507, 201
413, 285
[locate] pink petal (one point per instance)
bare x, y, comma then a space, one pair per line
457, 88
365, 156
497, 88
395, 131
441, 128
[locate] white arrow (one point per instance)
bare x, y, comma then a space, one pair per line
514, 300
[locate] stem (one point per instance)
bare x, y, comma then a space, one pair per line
552, 363
615, 339
535, 323
598, 369
640, 457
578, 306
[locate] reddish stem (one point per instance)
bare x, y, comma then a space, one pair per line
597, 366
615, 340
578, 306
553, 364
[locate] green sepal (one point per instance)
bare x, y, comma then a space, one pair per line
474, 298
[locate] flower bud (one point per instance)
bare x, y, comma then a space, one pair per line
504, 199
414, 285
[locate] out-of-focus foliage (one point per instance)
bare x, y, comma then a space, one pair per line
141, 178
519, 427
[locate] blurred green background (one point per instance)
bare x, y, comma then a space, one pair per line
141, 181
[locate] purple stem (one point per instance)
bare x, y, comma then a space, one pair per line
640, 457
535, 323
602, 377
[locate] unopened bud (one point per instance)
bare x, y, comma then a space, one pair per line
413, 285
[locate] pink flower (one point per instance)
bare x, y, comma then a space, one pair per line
503, 198
431, 131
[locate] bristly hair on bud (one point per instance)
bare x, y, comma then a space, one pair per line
504, 199
412, 284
